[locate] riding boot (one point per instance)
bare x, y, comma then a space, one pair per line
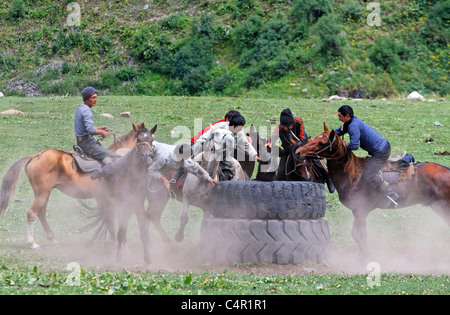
107, 170
390, 193
330, 185
178, 177
324, 174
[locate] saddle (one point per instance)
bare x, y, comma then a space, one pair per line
82, 163
398, 169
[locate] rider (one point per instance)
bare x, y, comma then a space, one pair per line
242, 144
85, 130
228, 116
364, 136
292, 134
166, 159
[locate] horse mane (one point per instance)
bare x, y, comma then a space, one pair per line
122, 139
353, 165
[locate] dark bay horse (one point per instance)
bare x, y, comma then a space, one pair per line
124, 192
430, 186
296, 169
49, 169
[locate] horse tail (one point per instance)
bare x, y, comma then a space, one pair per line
101, 222
9, 183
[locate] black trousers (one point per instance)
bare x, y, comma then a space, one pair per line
94, 150
373, 167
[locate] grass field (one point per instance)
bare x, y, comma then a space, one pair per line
411, 246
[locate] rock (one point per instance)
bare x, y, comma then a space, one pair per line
12, 112
437, 123
106, 115
30, 88
1, 94
415, 96
125, 114
336, 97
43, 70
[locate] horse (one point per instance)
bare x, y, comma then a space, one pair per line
429, 186
50, 169
123, 193
194, 191
296, 170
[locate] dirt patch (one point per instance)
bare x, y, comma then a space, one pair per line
181, 258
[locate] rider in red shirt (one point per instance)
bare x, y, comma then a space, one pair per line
228, 116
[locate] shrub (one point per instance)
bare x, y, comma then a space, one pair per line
387, 53
353, 11
126, 74
437, 25
383, 86
309, 11
246, 34
272, 40
329, 42
191, 65
16, 10
220, 83
153, 50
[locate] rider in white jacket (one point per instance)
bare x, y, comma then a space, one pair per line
169, 158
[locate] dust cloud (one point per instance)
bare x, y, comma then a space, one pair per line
413, 241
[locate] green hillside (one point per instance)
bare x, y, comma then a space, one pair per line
256, 48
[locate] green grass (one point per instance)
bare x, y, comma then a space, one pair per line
48, 123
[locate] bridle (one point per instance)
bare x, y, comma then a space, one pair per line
316, 155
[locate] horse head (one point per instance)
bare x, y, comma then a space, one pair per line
322, 146
144, 143
259, 143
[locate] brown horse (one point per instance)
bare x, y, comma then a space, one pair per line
124, 192
296, 170
429, 186
49, 169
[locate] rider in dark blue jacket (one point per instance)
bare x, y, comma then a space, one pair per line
364, 136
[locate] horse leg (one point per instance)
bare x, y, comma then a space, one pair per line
143, 223
155, 209
183, 221
359, 231
442, 208
38, 208
123, 218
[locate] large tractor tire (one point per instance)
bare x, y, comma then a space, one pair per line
268, 200
265, 241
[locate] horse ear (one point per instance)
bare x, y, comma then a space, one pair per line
135, 128
325, 128
153, 129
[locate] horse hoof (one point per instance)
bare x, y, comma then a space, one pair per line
35, 246
179, 237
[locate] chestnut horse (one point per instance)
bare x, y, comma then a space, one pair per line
429, 186
49, 169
